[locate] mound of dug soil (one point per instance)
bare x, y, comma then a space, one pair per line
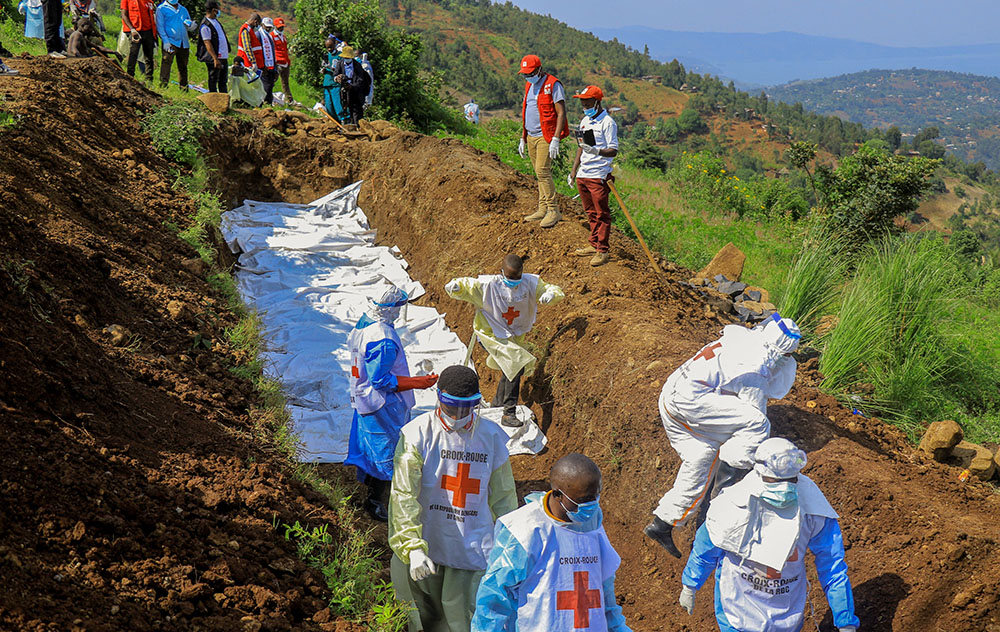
134, 494
921, 545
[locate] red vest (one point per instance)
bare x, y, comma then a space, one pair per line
546, 110
248, 36
140, 13
280, 48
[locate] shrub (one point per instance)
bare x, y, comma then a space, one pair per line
869, 189
707, 185
176, 129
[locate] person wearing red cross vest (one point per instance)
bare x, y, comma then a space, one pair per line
380, 389
552, 566
451, 480
755, 540
543, 125
714, 409
506, 306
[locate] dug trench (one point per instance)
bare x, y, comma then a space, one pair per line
135, 486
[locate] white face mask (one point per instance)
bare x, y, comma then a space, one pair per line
452, 424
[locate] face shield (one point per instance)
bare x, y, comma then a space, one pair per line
458, 412
386, 309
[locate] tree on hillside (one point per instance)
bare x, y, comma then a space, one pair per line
894, 137
871, 188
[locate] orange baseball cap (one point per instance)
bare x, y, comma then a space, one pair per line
279, 22
590, 92
529, 64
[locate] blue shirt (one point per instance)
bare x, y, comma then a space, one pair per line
172, 23
532, 121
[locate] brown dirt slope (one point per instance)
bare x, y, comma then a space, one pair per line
134, 495
922, 546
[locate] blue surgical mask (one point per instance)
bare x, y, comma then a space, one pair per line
591, 112
781, 494
533, 80
584, 511
511, 283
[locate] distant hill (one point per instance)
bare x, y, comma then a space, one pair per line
964, 107
753, 59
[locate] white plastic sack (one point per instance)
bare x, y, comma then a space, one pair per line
308, 270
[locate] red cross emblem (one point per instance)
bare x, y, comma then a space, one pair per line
708, 352
580, 600
776, 574
510, 315
460, 486
354, 372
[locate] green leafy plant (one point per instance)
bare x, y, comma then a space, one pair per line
176, 129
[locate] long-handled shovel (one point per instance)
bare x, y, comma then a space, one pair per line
635, 229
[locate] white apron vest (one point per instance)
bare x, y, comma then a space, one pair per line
509, 311
760, 598
454, 493
365, 398
565, 589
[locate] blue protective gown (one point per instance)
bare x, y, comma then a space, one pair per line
828, 548
374, 437
508, 568
331, 91
34, 21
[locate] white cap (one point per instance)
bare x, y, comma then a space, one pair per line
779, 458
267, 22
782, 333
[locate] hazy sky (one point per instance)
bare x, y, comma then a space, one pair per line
889, 22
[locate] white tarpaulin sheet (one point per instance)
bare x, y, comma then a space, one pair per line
309, 270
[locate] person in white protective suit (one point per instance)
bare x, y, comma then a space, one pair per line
714, 408
552, 566
507, 304
472, 112
755, 540
380, 386
452, 479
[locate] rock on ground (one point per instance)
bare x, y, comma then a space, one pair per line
940, 438
728, 261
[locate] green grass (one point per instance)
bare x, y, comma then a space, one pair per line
909, 344
346, 561
813, 282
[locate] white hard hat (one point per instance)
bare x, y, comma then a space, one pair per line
782, 333
779, 458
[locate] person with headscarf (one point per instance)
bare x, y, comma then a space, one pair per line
714, 408
552, 566
506, 306
380, 386
755, 540
451, 480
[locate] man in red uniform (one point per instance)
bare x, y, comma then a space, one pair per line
543, 121
139, 23
256, 49
282, 58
